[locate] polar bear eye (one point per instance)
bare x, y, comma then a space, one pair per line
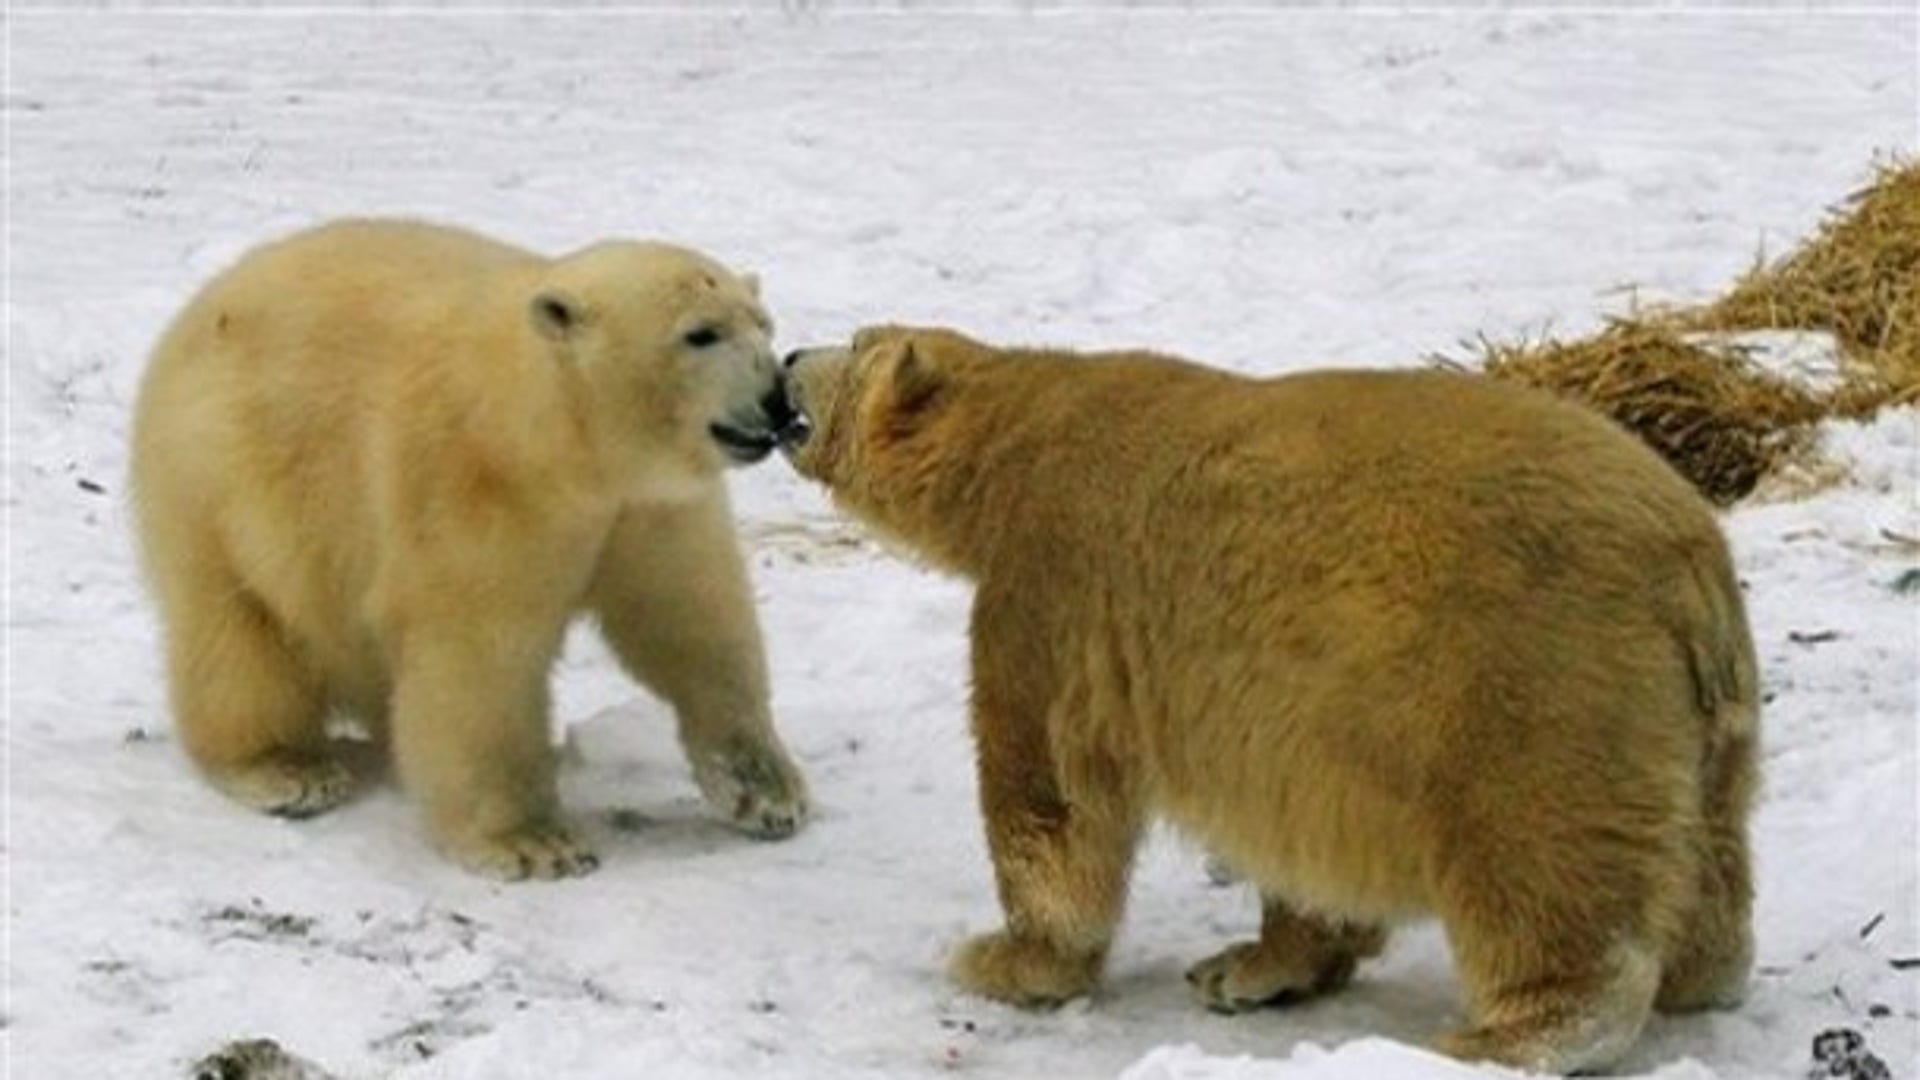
702, 336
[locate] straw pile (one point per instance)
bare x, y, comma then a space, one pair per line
1710, 411
1858, 279
1715, 417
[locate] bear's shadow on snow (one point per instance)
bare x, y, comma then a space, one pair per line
1394, 999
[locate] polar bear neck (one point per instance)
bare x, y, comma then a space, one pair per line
1004, 462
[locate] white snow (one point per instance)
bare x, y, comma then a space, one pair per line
1265, 190
1808, 359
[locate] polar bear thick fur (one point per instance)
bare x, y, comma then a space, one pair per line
1392, 643
379, 466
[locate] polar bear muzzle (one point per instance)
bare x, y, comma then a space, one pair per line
749, 436
813, 377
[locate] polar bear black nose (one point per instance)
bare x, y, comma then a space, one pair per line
780, 413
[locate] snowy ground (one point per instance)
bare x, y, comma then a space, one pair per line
1265, 191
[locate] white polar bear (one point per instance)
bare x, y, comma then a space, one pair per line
379, 466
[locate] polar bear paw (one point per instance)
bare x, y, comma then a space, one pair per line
755, 788
1022, 971
288, 783
545, 852
1246, 976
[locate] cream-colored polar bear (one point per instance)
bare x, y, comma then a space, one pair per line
379, 466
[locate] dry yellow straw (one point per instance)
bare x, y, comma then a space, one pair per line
1716, 418
1719, 419
1857, 278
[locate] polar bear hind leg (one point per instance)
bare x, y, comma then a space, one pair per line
1297, 956
251, 713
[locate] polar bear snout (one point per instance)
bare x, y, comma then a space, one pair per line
778, 407
807, 378
805, 369
790, 426
750, 434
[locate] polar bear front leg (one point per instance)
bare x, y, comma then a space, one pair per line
1062, 824
1061, 866
471, 742
673, 600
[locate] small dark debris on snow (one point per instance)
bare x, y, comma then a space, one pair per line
424, 1039
1905, 963
1879, 1011
763, 1006
1908, 582
959, 1024
135, 735
1812, 637
256, 1059
256, 923
1872, 925
1843, 1053
90, 487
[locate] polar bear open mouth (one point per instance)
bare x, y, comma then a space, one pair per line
741, 445
795, 434
798, 428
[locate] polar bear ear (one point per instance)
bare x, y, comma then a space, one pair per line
557, 315
752, 281
916, 382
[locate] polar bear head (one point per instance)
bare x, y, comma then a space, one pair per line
876, 419
668, 341
836, 392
